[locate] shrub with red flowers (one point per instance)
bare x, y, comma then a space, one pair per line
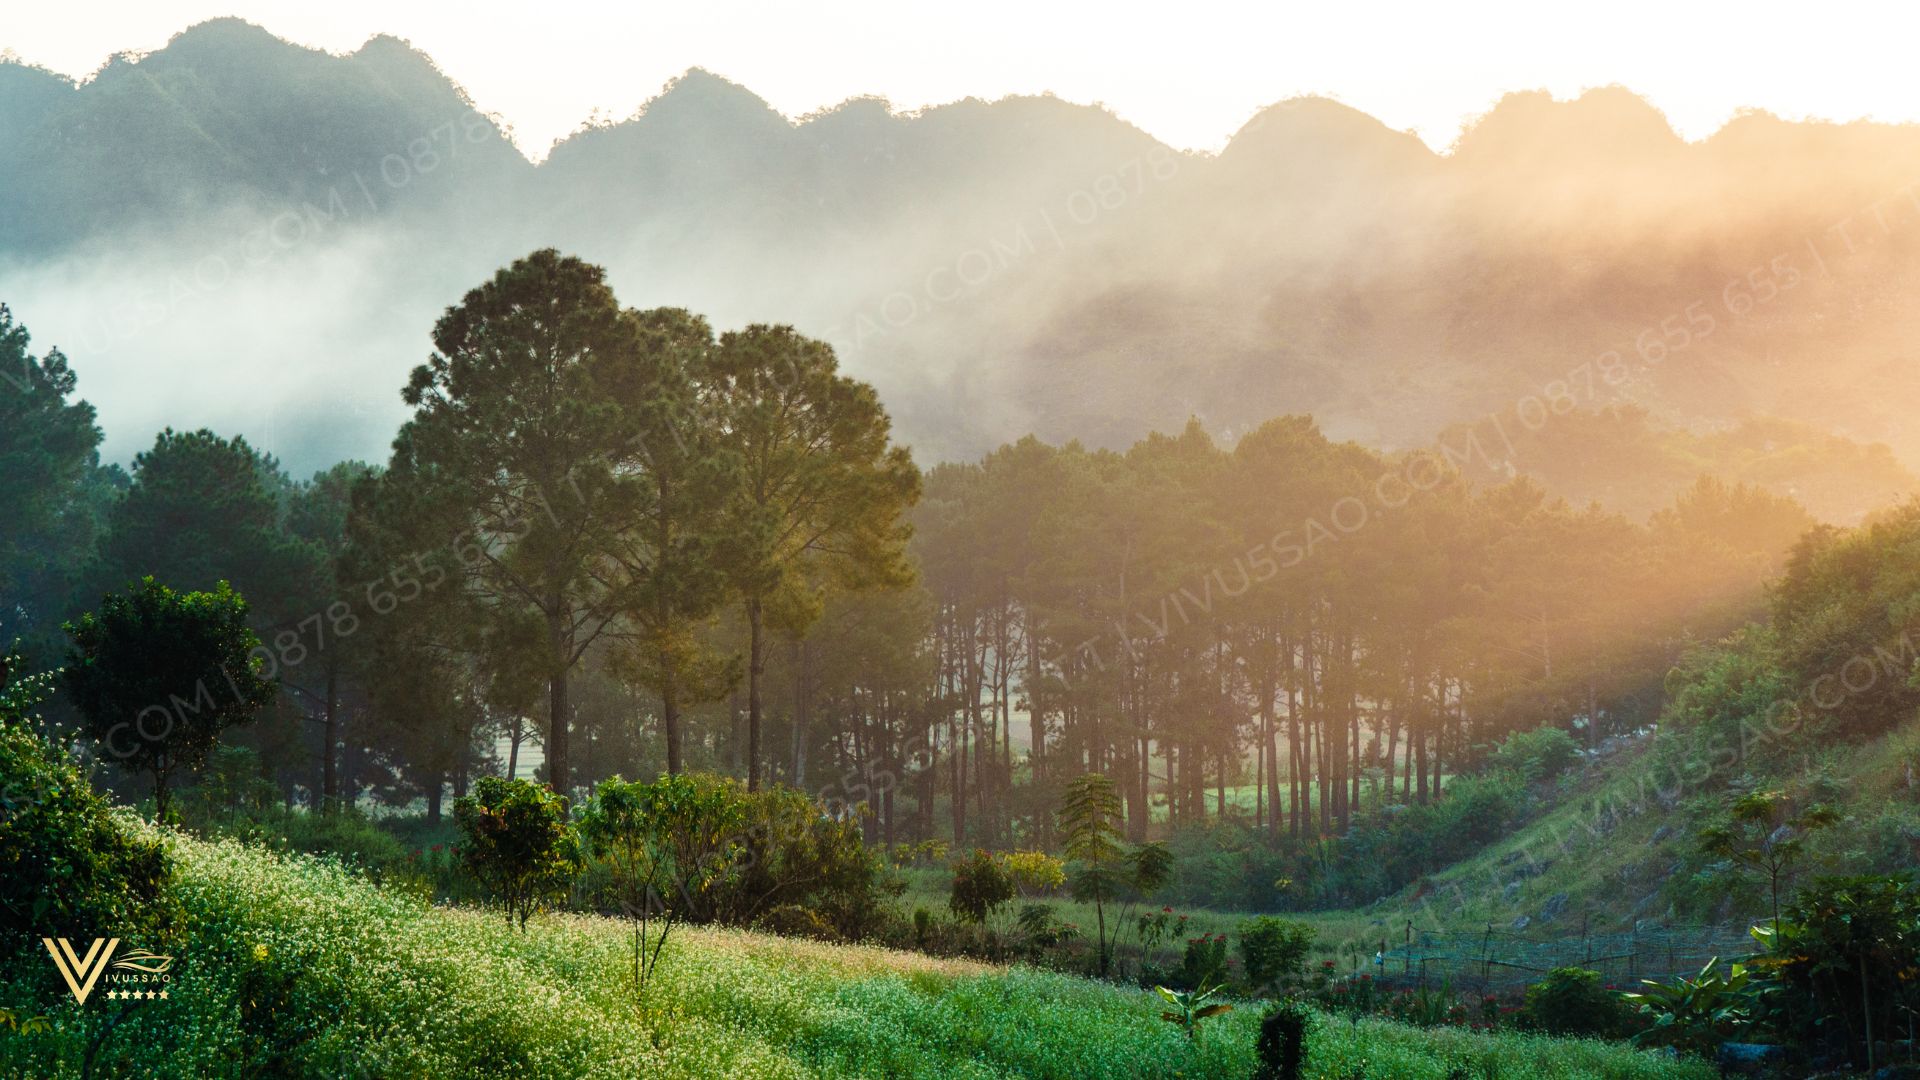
1205, 962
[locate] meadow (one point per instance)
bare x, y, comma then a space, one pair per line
292, 965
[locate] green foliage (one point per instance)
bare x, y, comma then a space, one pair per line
702, 848
1105, 870
69, 867
1204, 962
1041, 929
21, 691
981, 886
1698, 1013
202, 510
49, 477
1223, 865
160, 674
1272, 949
518, 843
792, 920
1845, 959
1843, 618
1189, 1007
660, 842
230, 781
1150, 866
1090, 820
1282, 1046
794, 852
1535, 756
820, 487
1571, 1001
345, 835
1766, 833
1034, 873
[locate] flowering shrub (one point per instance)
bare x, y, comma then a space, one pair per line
1205, 962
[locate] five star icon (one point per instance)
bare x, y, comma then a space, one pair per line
147, 995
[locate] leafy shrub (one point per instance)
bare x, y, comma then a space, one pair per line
792, 852
1041, 929
231, 780
1189, 1007
1843, 956
734, 855
1571, 1001
519, 843
1204, 963
981, 886
639, 835
1034, 873
1535, 756
345, 834
69, 867
1282, 1046
1273, 949
160, 674
1695, 1014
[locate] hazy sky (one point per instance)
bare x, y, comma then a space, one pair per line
1189, 73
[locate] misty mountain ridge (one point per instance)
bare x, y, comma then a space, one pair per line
995, 268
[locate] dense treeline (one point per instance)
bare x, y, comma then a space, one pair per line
643, 547
1833, 663
1311, 618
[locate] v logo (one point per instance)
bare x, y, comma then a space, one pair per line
81, 972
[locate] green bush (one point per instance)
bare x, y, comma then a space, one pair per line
1843, 958
1273, 949
1571, 1001
518, 843
1204, 964
231, 781
1041, 929
69, 866
160, 674
1534, 756
733, 855
981, 887
791, 851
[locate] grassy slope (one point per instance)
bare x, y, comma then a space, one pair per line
1604, 847
337, 978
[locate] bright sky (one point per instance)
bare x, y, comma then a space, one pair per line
1189, 73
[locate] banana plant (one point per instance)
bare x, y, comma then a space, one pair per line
1698, 1013
1189, 1007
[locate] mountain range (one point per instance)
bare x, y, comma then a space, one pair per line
234, 217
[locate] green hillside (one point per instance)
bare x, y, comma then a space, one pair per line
295, 967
